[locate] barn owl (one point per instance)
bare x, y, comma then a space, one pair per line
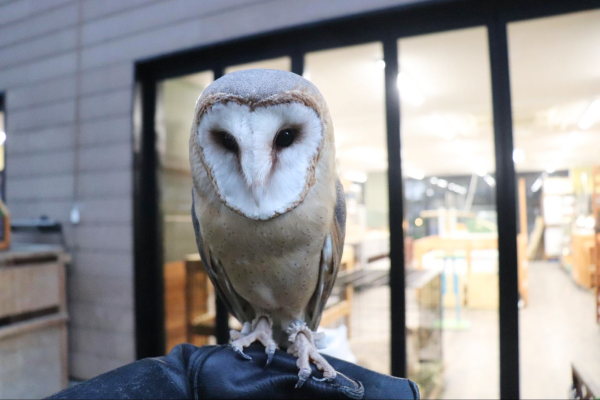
268, 208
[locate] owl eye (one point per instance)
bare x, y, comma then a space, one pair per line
229, 142
285, 137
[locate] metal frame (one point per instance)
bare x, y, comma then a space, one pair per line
3, 172
385, 26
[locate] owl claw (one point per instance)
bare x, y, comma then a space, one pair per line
241, 353
270, 354
259, 330
302, 377
303, 346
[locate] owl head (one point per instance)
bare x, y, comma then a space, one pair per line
259, 134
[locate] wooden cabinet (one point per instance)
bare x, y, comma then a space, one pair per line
33, 321
583, 246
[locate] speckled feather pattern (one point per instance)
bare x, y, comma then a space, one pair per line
274, 264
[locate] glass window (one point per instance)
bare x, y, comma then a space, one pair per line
450, 214
2, 151
555, 87
352, 81
175, 109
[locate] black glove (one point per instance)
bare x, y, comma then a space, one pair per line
216, 372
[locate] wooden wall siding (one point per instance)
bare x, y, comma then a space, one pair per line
67, 69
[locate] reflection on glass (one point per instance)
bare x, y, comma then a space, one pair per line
175, 110
450, 214
555, 86
281, 63
352, 81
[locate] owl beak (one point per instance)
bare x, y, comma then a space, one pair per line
257, 194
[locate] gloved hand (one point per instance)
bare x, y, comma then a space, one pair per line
216, 372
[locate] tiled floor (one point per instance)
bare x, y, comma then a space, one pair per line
556, 328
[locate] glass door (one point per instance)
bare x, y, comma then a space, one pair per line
555, 85
447, 146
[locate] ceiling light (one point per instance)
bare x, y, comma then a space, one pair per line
433, 180
356, 176
442, 183
415, 174
409, 91
518, 156
439, 125
537, 185
490, 180
551, 169
590, 116
2, 138
481, 172
418, 222
380, 64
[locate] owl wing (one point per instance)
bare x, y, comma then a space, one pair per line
236, 304
331, 257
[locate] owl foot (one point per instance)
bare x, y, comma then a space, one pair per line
261, 329
304, 347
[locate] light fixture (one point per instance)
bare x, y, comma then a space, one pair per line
429, 192
490, 180
442, 183
518, 156
2, 138
481, 172
590, 222
415, 174
409, 91
590, 116
537, 185
439, 125
457, 188
356, 176
551, 169
418, 222
433, 180
380, 64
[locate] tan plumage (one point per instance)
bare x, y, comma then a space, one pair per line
279, 262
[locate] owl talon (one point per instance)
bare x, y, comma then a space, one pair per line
241, 353
259, 330
304, 347
302, 377
270, 352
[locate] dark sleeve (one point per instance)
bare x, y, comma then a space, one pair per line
215, 372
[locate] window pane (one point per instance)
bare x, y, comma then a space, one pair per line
281, 63
175, 110
555, 85
450, 214
352, 81
2, 140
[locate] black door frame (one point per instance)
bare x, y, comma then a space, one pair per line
385, 26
